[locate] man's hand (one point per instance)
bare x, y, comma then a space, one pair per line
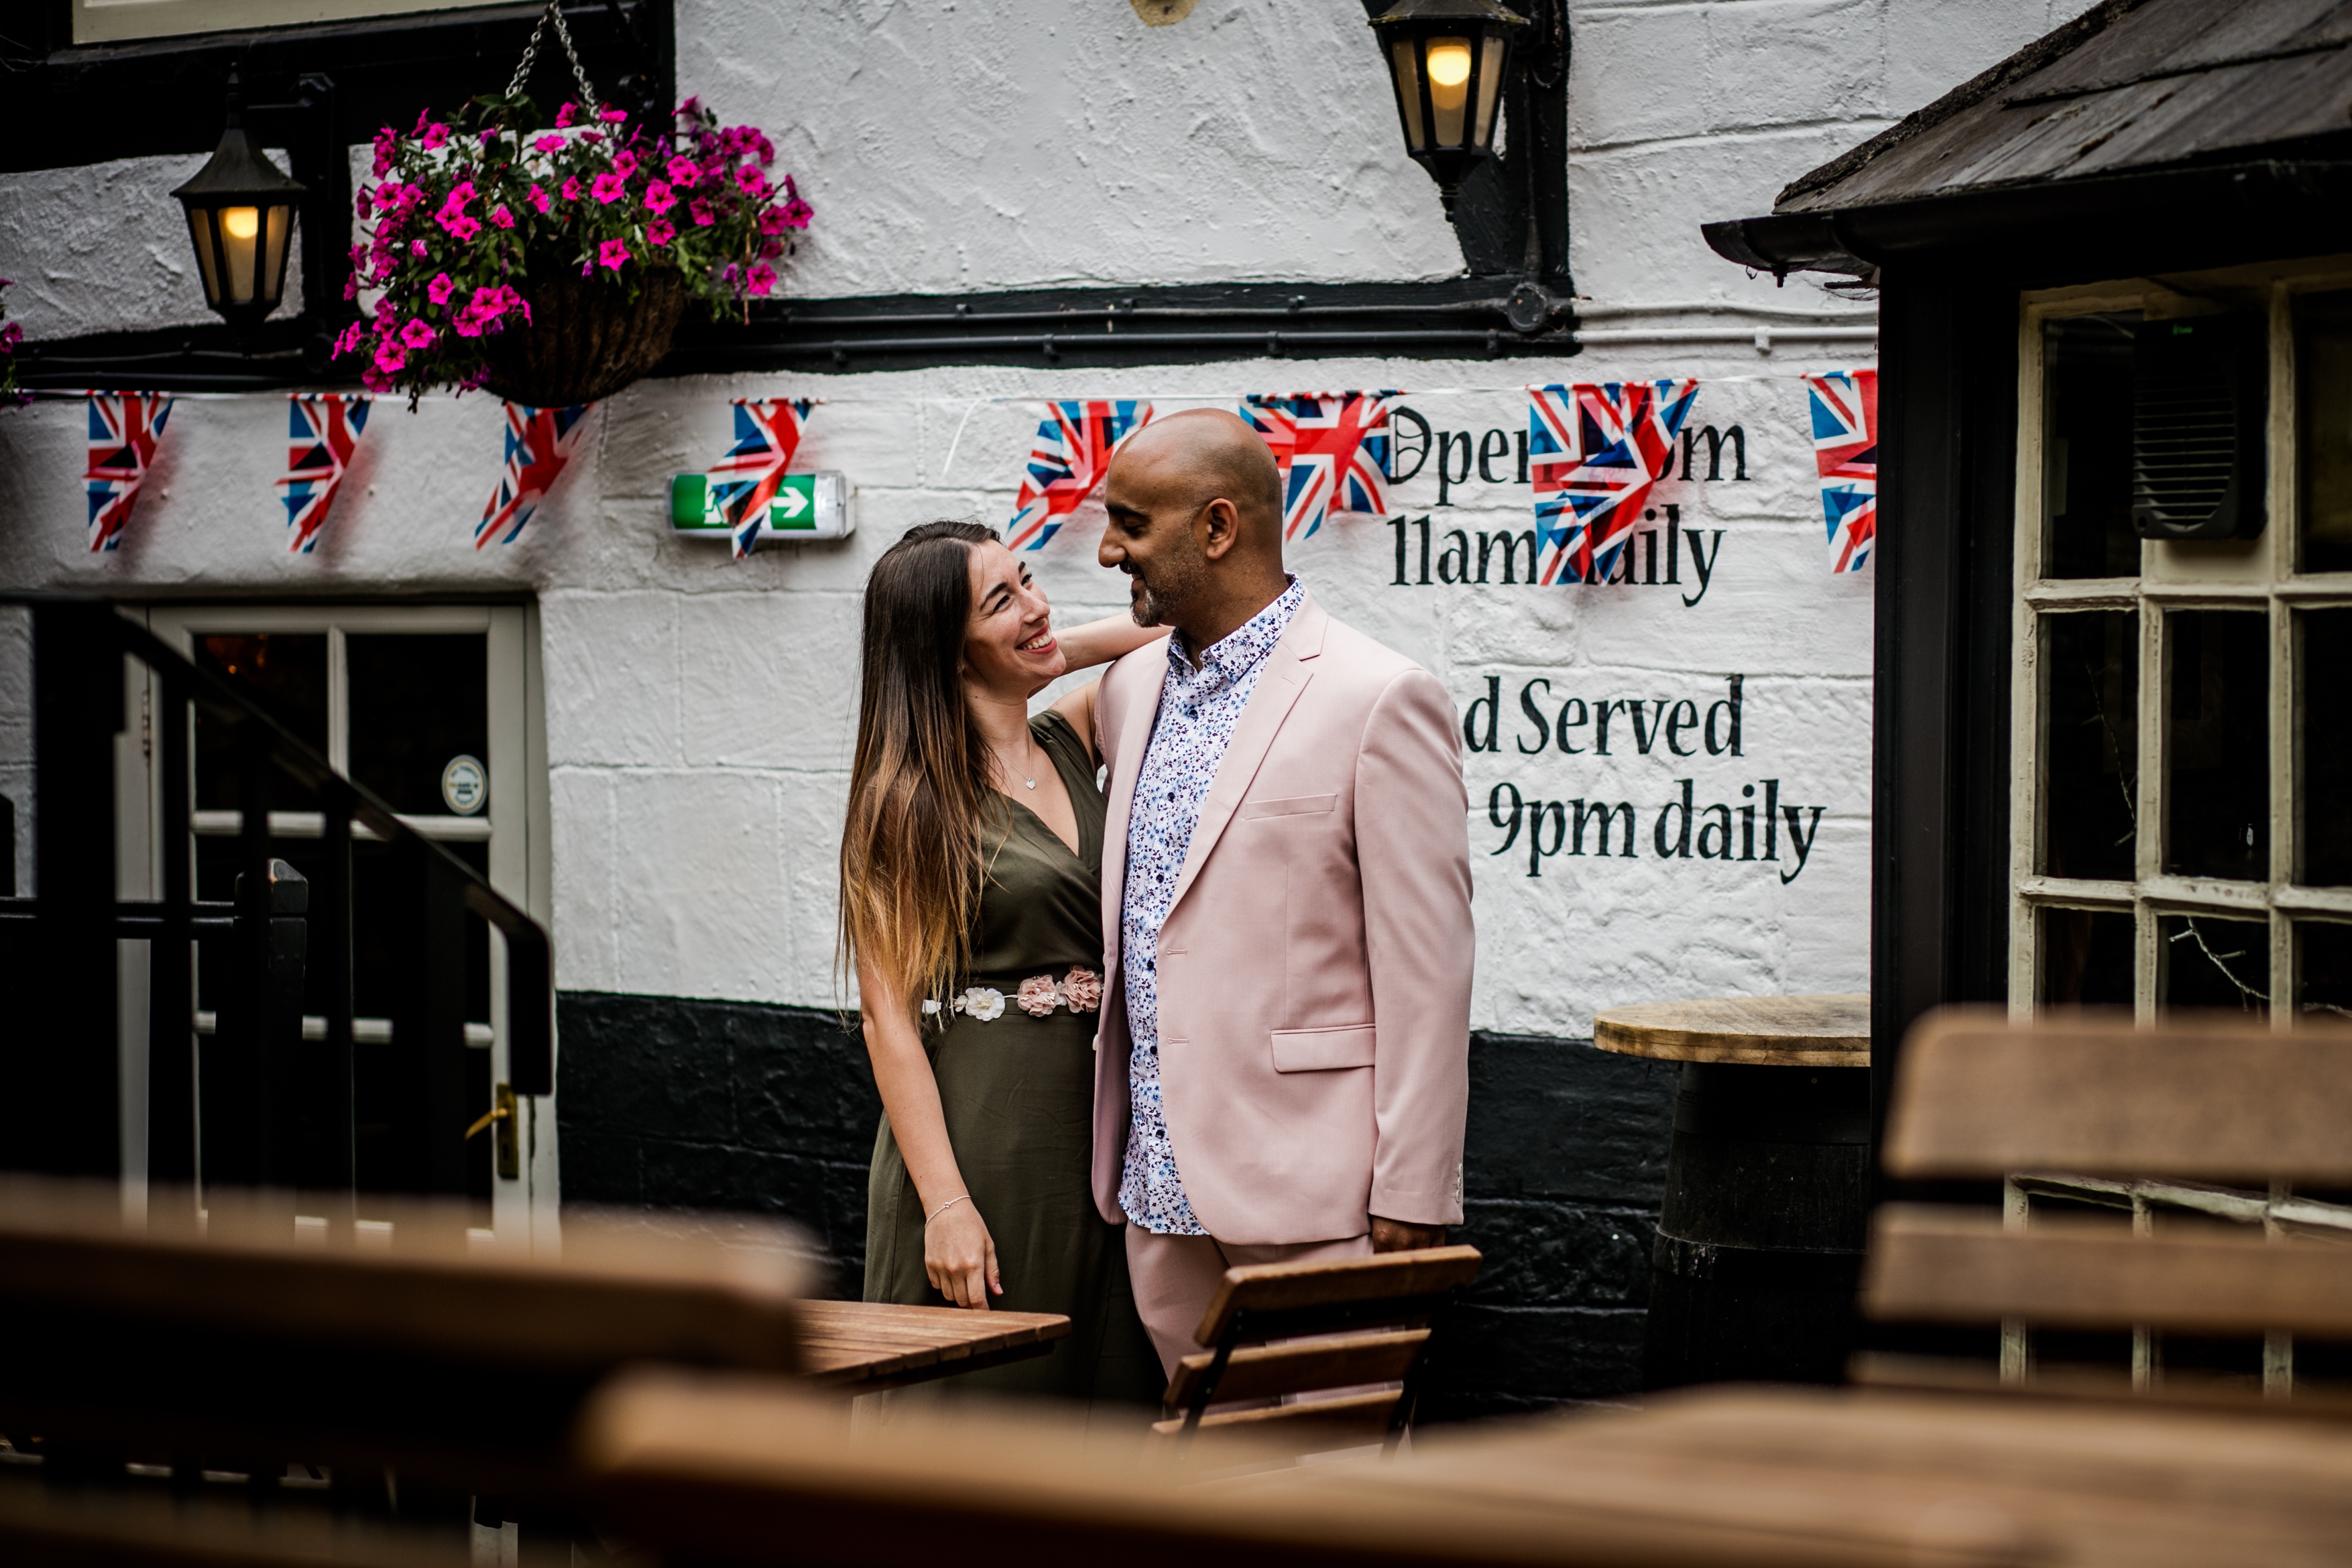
1396, 1235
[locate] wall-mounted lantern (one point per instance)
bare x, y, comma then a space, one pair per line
1448, 59
241, 219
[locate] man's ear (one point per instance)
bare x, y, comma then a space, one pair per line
1220, 527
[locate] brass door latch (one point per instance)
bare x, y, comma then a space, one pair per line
503, 1115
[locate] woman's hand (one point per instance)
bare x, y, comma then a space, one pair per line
960, 1256
1099, 641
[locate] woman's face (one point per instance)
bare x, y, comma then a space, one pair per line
1009, 644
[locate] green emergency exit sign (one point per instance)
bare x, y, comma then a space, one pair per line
810, 504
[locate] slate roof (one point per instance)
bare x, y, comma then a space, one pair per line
2130, 86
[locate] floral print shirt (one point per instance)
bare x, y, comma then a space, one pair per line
1200, 704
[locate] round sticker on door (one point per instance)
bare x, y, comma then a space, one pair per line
465, 784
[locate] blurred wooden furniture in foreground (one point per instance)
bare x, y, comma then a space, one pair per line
1758, 1244
2199, 1129
49, 1527
1332, 1327
864, 1347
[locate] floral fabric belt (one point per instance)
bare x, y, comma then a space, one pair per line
1080, 990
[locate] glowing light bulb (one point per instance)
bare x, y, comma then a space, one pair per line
1449, 89
244, 222
1449, 62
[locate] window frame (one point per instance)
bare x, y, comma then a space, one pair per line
2169, 577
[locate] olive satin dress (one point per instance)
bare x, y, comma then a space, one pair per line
1018, 1094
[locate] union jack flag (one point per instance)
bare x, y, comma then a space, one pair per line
743, 482
1332, 449
1594, 450
1069, 458
539, 443
123, 430
1846, 450
321, 433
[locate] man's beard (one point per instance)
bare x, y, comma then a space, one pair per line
1162, 603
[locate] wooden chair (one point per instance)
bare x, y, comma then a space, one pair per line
42, 1527
2199, 1127
1291, 1331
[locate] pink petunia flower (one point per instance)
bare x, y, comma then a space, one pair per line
540, 199
386, 139
594, 138
571, 188
490, 137
755, 185
658, 198
440, 288
684, 172
423, 117
615, 116
436, 136
762, 279
501, 216
661, 231
353, 336
551, 143
703, 217
610, 188
612, 253
416, 248
390, 356
462, 228
797, 214
566, 115
1037, 997
625, 162
416, 334
362, 205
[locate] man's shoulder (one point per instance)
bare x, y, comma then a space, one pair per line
1362, 663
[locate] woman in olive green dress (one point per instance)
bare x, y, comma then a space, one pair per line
971, 907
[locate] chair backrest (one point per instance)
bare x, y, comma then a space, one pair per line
2198, 1122
1356, 1333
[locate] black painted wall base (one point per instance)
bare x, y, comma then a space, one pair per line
668, 1101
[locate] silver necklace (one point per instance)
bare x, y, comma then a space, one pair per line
1024, 756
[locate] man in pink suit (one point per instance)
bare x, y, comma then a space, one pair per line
1282, 1070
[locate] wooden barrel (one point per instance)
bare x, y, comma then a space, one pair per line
1758, 1247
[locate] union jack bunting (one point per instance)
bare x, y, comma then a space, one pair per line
123, 430
539, 443
321, 433
1332, 449
1068, 459
1594, 449
743, 482
1846, 450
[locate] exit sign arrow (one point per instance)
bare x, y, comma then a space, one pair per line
792, 500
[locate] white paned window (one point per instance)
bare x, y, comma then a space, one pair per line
119, 21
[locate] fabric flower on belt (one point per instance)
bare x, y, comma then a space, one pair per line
1039, 996
985, 1003
1083, 988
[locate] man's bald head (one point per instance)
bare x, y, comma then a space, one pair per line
1203, 455
1195, 505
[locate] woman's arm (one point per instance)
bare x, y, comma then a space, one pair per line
958, 1254
1099, 641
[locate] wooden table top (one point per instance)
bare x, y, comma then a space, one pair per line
862, 1347
1760, 1032
1756, 1477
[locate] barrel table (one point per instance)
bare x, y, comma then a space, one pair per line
1759, 1242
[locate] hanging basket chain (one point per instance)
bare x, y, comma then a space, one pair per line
554, 13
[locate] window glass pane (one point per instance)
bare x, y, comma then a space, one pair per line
2323, 744
2324, 435
287, 671
2087, 447
2087, 958
2323, 968
2204, 961
2090, 664
2217, 744
417, 703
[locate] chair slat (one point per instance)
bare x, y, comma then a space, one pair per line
1298, 1366
1291, 1287
1931, 1264
1368, 1413
2212, 1098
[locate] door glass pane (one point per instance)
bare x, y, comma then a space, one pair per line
2203, 961
2323, 968
2323, 745
2087, 447
418, 703
2087, 958
2090, 663
2217, 744
2323, 436
288, 672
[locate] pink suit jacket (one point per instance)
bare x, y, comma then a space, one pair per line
1314, 966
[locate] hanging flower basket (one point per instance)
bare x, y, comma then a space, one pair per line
550, 263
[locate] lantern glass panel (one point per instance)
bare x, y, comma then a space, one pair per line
200, 232
241, 242
1490, 87
1408, 87
1449, 89
273, 269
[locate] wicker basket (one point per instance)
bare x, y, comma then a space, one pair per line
587, 339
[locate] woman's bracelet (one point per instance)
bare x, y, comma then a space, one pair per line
945, 1207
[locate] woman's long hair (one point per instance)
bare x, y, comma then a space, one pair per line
919, 788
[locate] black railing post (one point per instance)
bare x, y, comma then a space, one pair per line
61, 1086
442, 1045
279, 1099
172, 995
329, 1166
